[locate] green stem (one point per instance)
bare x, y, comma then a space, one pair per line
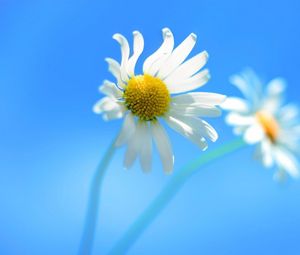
89, 230
160, 202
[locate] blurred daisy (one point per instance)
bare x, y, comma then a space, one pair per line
142, 100
262, 119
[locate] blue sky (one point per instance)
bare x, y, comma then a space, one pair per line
51, 64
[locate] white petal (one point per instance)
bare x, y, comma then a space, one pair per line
192, 83
235, 104
114, 114
253, 80
134, 146
242, 85
164, 146
267, 153
208, 131
179, 54
250, 86
188, 68
110, 108
114, 68
138, 47
274, 95
104, 104
276, 87
201, 98
127, 130
146, 148
290, 140
199, 110
125, 51
253, 134
240, 120
287, 162
198, 125
187, 131
288, 113
152, 63
110, 89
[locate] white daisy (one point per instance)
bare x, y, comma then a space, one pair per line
142, 100
262, 119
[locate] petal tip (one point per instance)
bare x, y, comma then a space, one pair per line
208, 76
116, 36
206, 54
166, 30
107, 60
136, 32
194, 36
96, 110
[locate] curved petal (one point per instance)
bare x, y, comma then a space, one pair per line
187, 131
110, 108
163, 145
105, 104
114, 68
188, 68
154, 61
179, 54
208, 131
110, 89
200, 126
138, 47
113, 114
125, 51
128, 129
192, 83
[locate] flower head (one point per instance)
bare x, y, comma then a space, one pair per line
144, 99
263, 119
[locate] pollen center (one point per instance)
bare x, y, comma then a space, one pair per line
147, 97
269, 124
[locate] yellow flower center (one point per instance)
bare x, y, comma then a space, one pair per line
269, 124
147, 97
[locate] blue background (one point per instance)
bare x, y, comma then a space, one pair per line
51, 64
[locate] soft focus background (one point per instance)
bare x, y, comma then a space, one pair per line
51, 64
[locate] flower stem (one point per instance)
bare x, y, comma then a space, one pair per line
165, 196
89, 230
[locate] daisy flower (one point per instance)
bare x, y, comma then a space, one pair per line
144, 99
262, 119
